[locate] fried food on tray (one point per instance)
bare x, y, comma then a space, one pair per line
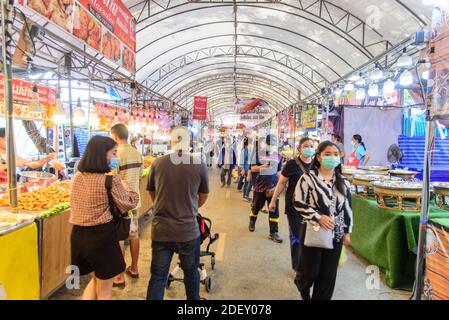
41, 199
58, 11
39, 6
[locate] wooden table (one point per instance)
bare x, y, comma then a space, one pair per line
54, 252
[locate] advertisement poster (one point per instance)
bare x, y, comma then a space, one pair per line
104, 25
200, 108
22, 96
310, 118
252, 109
390, 100
439, 73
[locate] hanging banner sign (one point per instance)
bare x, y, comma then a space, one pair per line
23, 93
383, 100
104, 25
310, 118
439, 73
253, 110
112, 114
200, 108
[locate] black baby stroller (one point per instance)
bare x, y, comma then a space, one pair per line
205, 225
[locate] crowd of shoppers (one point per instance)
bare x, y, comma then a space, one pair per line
317, 198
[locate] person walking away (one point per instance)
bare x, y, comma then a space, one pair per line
359, 156
227, 162
290, 175
265, 183
337, 140
130, 169
208, 152
243, 165
179, 186
94, 244
323, 198
251, 176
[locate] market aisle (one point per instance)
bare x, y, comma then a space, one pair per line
251, 266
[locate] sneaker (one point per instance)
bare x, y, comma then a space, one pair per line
246, 199
252, 226
223, 184
264, 211
275, 237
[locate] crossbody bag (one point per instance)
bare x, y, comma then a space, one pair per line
122, 221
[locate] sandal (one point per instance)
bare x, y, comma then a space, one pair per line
131, 274
119, 284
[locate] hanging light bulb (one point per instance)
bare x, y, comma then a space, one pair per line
404, 60
425, 75
79, 116
349, 87
373, 90
361, 94
93, 118
354, 77
35, 106
59, 112
389, 87
361, 82
377, 74
338, 92
406, 78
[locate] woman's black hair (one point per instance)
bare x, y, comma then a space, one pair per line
2, 133
95, 159
337, 137
359, 139
338, 175
303, 140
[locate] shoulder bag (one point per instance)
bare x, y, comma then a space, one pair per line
318, 237
122, 222
301, 166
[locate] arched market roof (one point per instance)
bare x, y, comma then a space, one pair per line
267, 49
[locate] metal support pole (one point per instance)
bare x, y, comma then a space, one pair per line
89, 125
425, 199
6, 20
68, 65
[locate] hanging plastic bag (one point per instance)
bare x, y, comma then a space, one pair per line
343, 257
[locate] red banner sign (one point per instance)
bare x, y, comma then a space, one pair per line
23, 93
200, 108
105, 25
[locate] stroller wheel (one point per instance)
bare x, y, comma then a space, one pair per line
169, 281
212, 263
208, 284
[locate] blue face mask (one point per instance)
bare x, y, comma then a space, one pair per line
114, 163
330, 163
308, 152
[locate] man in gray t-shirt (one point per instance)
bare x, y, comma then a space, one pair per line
179, 186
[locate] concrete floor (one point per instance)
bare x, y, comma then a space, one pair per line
249, 266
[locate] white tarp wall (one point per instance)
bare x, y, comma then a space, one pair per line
378, 128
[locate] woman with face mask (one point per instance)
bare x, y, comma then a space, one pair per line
323, 198
358, 157
290, 175
94, 243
